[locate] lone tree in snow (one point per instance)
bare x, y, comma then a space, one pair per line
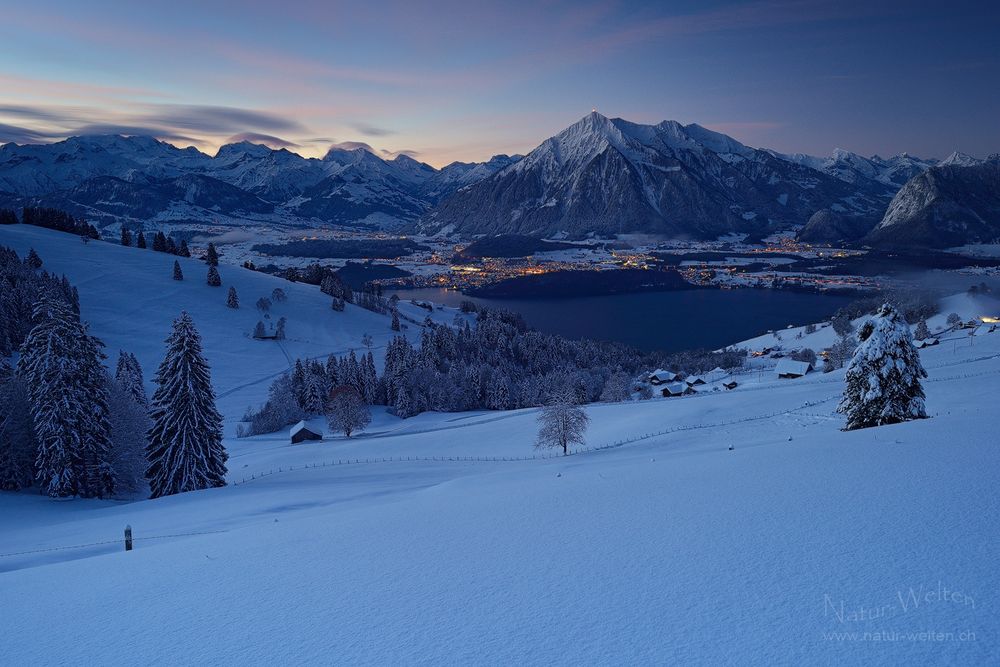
561, 423
279, 329
214, 279
185, 451
337, 304
346, 410
883, 379
278, 295
263, 304
259, 331
953, 319
395, 320
178, 275
921, 332
232, 301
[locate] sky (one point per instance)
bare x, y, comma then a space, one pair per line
445, 81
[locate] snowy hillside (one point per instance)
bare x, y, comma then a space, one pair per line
667, 549
130, 299
727, 527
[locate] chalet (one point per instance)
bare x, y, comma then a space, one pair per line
301, 432
789, 368
661, 376
694, 380
762, 353
730, 385
928, 342
677, 389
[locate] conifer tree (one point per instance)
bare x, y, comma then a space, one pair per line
159, 242
259, 331
395, 320
883, 378
140, 240
185, 451
211, 255
126, 236
178, 274
232, 300
183, 249
33, 261
128, 374
214, 279
61, 366
170, 246
17, 442
337, 304
922, 332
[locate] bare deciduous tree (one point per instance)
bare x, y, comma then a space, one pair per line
561, 423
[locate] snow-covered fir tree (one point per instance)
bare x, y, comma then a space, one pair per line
921, 331
214, 279
61, 366
562, 423
129, 425
211, 255
178, 274
185, 451
883, 379
346, 411
232, 300
17, 440
33, 261
128, 374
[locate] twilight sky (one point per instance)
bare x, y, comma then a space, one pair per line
465, 80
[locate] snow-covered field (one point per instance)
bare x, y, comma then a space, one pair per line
802, 545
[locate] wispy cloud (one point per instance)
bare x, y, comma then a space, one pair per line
258, 138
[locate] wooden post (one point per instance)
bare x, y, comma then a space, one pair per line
128, 538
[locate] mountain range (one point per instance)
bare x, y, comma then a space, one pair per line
600, 176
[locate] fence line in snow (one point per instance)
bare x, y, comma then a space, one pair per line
116, 541
533, 457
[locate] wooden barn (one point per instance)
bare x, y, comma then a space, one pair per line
677, 389
789, 368
301, 433
661, 376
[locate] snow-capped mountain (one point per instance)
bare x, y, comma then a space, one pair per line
608, 176
112, 178
877, 175
945, 206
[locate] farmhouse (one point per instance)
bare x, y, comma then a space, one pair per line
301, 432
732, 384
677, 389
789, 368
694, 380
661, 376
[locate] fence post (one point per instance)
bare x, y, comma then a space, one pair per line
128, 538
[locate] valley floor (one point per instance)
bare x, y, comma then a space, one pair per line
802, 545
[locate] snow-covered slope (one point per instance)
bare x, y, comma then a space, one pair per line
944, 207
129, 299
608, 176
802, 545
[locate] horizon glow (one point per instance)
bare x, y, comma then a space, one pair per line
464, 81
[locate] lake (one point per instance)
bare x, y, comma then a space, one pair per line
667, 321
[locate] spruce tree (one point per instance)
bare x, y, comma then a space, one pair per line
883, 378
259, 331
61, 366
33, 261
183, 249
159, 242
17, 441
232, 301
185, 451
170, 246
211, 256
395, 321
178, 274
214, 279
140, 240
128, 374
922, 332
126, 236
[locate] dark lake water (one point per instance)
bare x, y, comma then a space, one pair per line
668, 321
